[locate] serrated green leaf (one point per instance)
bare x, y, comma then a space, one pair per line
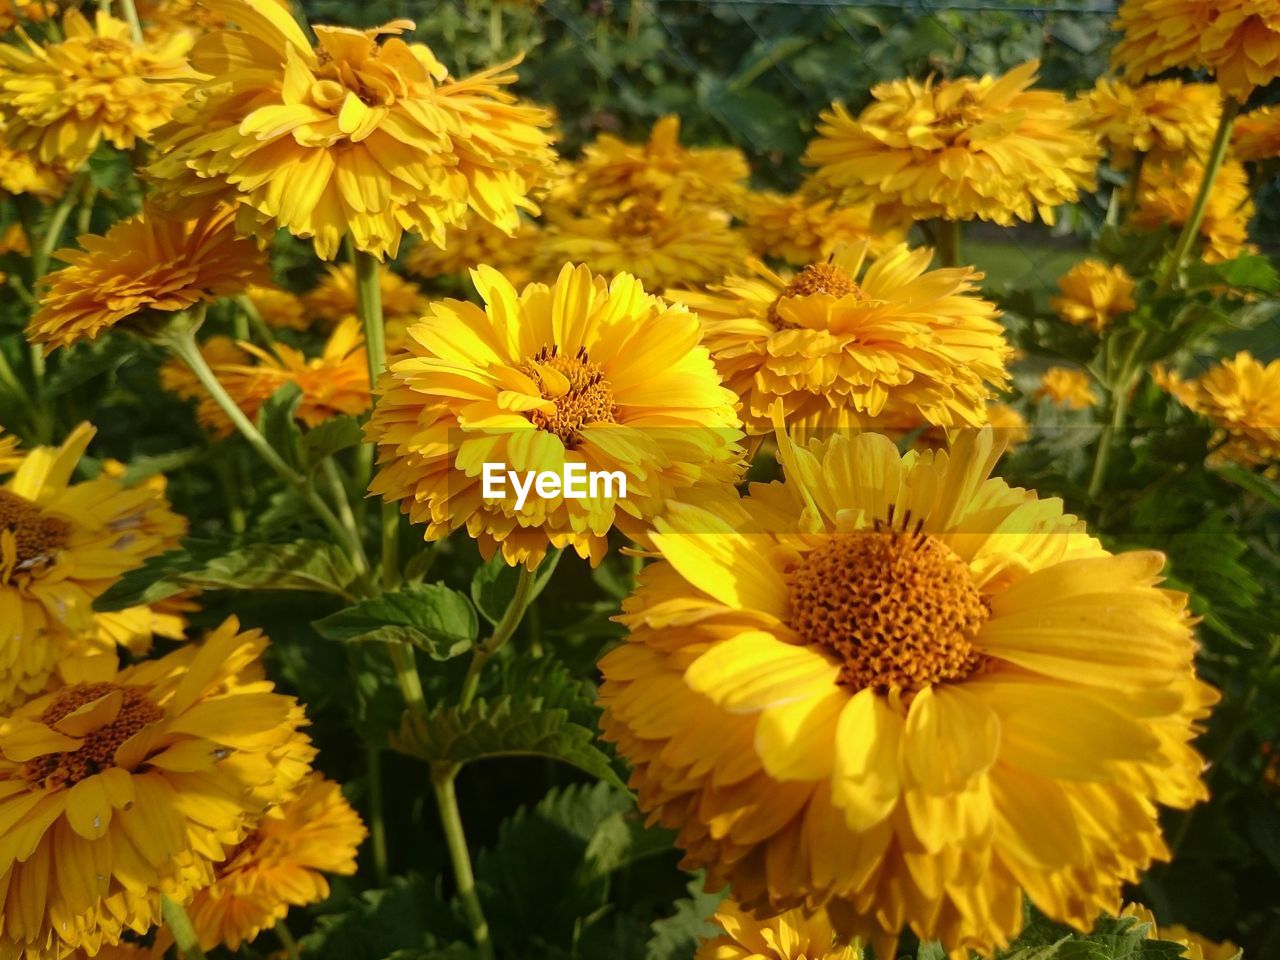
218, 565
277, 423
677, 936
432, 617
493, 586
1249, 272
406, 919
332, 436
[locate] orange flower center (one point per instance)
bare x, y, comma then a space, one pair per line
824, 278
578, 389
37, 536
898, 608
97, 751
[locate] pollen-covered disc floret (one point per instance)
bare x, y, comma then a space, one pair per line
577, 390
896, 689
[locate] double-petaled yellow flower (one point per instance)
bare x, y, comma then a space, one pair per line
1168, 193
901, 689
988, 148
1241, 397
793, 935
1067, 387
1093, 294
1167, 120
1256, 135
360, 134
800, 229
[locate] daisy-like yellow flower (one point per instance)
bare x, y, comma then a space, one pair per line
336, 382
793, 935
584, 371
153, 262
1067, 387
361, 134
280, 865
1241, 396
611, 170
799, 229
21, 173
659, 240
127, 784
61, 545
989, 148
60, 101
1256, 135
1197, 947
1239, 40
1168, 193
477, 242
334, 300
903, 690
1166, 120
843, 339
1094, 293
279, 309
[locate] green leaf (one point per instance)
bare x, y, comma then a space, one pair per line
407, 919
217, 565
1249, 272
432, 617
677, 936
493, 587
1262, 487
332, 436
277, 423
89, 360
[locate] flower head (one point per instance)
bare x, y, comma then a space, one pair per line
1256, 135
279, 865
61, 545
611, 170
988, 148
1238, 40
793, 935
842, 339
127, 784
59, 102
659, 240
21, 173
333, 301
583, 371
903, 690
1094, 293
279, 309
799, 229
1165, 120
360, 134
152, 262
1167, 195
477, 242
1241, 397
1067, 387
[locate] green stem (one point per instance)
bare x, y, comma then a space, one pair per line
258, 324
131, 17
377, 818
181, 340
1134, 185
179, 924
495, 26
442, 781
42, 254
285, 936
341, 501
1121, 387
502, 632
948, 237
1191, 229
369, 308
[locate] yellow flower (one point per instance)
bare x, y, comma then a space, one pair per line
1167, 194
1240, 396
1239, 40
1167, 120
127, 784
59, 102
61, 545
280, 865
362, 134
279, 309
152, 262
1257, 135
336, 382
334, 300
986, 148
1197, 947
793, 935
894, 340
162, 16
896, 688
22, 173
1094, 294
798, 229
477, 242
1066, 386
611, 170
659, 240
1009, 424
580, 372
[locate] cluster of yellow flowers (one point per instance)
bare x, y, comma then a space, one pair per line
1241, 397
